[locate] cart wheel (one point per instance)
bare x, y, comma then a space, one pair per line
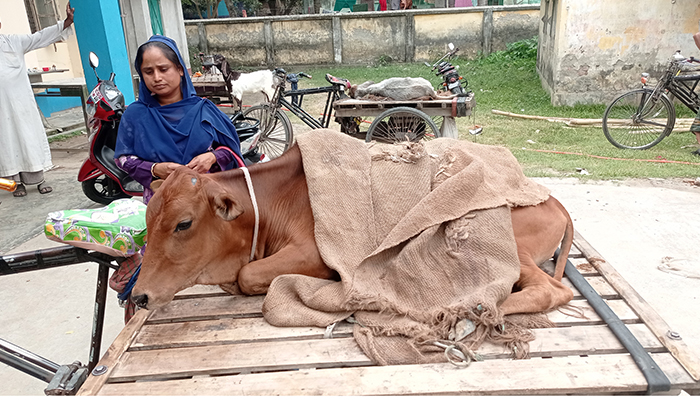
400, 124
276, 136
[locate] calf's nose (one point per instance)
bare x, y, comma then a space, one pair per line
141, 300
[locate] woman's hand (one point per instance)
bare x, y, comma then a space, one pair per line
164, 169
203, 162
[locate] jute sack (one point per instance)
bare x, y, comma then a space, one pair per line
421, 236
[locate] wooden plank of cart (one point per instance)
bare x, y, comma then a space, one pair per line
209, 343
212, 86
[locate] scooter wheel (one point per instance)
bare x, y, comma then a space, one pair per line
102, 189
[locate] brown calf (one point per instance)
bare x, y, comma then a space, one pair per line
200, 231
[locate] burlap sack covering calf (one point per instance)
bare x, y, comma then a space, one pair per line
421, 236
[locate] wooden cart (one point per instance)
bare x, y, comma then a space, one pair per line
391, 119
209, 343
214, 87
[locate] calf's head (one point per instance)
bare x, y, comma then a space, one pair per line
192, 238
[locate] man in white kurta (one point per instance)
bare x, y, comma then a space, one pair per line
24, 148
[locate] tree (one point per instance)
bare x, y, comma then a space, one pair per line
267, 7
231, 7
203, 6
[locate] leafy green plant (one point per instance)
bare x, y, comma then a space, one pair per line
384, 60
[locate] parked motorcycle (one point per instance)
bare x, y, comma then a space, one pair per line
452, 81
102, 181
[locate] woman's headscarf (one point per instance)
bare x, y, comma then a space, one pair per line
175, 132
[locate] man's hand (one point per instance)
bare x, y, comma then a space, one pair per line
69, 16
164, 169
203, 162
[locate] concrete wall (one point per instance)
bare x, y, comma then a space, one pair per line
591, 51
64, 55
362, 38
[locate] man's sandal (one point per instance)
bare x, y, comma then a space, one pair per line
20, 191
44, 188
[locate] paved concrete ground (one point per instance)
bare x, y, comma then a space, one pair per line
633, 224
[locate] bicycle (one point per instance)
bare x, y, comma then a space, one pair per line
277, 131
641, 118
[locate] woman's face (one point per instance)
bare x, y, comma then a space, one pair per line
161, 76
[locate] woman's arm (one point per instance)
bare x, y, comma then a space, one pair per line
217, 160
137, 168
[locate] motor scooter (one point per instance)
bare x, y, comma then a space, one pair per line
452, 80
102, 181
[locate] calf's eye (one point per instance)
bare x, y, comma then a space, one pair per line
183, 225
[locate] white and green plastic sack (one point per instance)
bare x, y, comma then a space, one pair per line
118, 229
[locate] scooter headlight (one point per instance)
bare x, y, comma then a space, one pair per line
111, 94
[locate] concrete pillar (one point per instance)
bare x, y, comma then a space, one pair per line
98, 28
337, 41
137, 24
487, 31
203, 41
269, 44
410, 40
174, 26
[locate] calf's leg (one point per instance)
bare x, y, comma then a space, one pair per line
256, 277
539, 230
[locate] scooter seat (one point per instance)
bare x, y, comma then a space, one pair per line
245, 126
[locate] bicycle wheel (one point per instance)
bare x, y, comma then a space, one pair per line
636, 121
400, 124
276, 135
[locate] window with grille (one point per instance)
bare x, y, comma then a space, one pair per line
41, 13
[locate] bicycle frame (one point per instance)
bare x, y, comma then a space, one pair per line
279, 101
683, 88
308, 119
680, 87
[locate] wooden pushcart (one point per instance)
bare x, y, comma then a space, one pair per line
214, 87
209, 343
391, 119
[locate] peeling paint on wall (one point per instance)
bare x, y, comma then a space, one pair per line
360, 38
602, 47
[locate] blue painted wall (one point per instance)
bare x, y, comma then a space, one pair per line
50, 105
98, 28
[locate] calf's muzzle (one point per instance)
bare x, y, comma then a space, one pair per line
141, 300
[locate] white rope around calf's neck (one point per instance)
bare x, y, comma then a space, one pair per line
249, 182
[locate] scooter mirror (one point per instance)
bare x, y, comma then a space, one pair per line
451, 46
94, 60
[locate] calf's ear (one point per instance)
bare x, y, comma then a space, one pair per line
226, 206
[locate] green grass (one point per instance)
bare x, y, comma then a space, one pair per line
508, 81
65, 135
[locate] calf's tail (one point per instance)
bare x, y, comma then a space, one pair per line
566, 244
